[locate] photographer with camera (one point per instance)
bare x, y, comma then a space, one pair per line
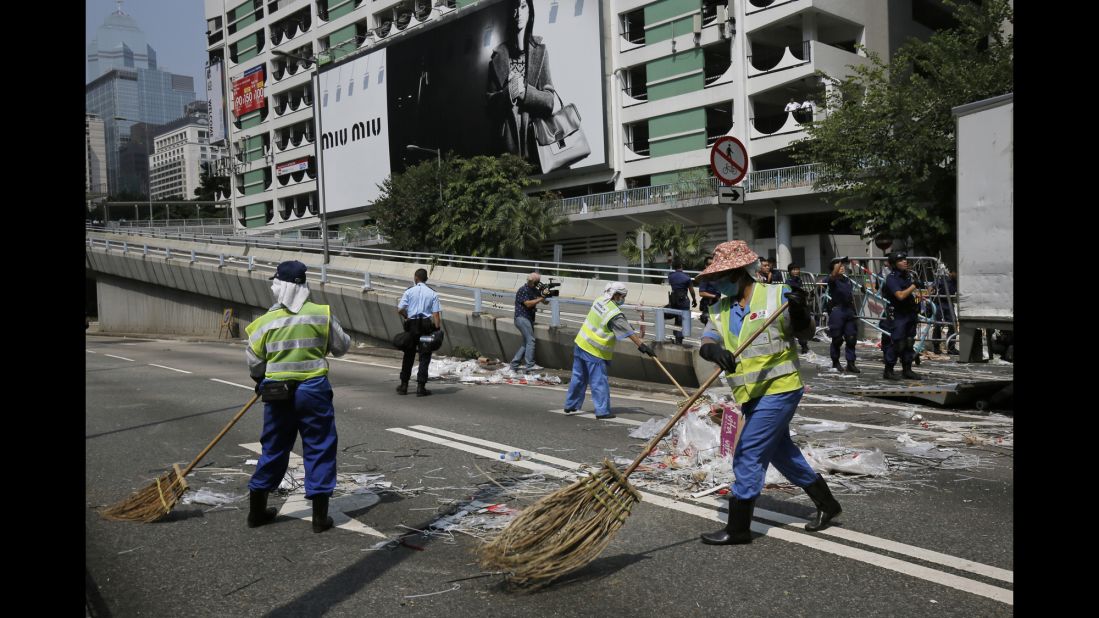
526, 305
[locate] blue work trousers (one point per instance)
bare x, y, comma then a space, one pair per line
904, 328
308, 412
843, 325
586, 369
765, 440
526, 351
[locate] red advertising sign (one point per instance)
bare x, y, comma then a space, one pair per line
289, 167
248, 91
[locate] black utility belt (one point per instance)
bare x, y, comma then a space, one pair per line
272, 390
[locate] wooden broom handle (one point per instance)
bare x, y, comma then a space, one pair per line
665, 370
702, 389
220, 435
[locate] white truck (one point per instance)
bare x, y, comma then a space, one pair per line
985, 136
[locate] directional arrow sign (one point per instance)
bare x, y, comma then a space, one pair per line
730, 195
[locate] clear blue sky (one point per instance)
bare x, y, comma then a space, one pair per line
176, 29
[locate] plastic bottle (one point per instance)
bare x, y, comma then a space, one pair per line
511, 456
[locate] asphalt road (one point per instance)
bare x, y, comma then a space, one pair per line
932, 536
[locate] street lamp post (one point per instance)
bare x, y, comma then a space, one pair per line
438, 170
316, 149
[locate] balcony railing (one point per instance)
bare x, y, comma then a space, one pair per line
765, 180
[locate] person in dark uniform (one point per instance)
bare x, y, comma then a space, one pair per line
900, 291
707, 295
946, 290
677, 299
842, 320
793, 279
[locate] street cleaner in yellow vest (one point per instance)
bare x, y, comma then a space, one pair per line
594, 347
765, 383
286, 350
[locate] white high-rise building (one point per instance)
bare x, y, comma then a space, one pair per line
671, 78
180, 149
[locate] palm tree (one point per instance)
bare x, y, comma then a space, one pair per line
668, 239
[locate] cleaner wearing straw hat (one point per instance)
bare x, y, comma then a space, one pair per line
594, 347
286, 350
765, 383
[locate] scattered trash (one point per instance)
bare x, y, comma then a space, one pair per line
648, 429
842, 459
511, 456
824, 426
416, 596
251, 462
923, 449
210, 498
484, 371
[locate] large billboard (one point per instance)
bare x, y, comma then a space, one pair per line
471, 84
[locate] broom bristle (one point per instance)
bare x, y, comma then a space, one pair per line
563, 531
150, 503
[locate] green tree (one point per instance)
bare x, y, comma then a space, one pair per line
887, 147
406, 203
668, 239
488, 212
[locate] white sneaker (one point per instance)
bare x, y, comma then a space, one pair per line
535, 368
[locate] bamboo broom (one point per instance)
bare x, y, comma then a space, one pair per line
570, 527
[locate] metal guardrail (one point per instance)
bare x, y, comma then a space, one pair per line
548, 268
478, 300
764, 180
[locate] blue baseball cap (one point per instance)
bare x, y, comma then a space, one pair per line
292, 271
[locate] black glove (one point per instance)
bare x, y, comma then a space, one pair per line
718, 355
694, 303
798, 298
258, 381
645, 349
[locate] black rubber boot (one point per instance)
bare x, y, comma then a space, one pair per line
804, 348
889, 375
321, 520
421, 389
836, 366
258, 511
738, 530
851, 368
908, 374
403, 388
827, 507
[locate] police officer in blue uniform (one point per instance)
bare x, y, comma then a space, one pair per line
708, 295
842, 320
793, 279
682, 286
899, 291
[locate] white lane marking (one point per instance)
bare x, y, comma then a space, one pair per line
503, 447
170, 368
522, 463
922, 409
894, 564
91, 351
564, 389
251, 388
893, 546
298, 507
920, 432
995, 593
119, 357
591, 417
347, 360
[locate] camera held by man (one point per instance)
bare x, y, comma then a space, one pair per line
548, 290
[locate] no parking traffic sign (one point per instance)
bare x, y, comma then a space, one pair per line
729, 160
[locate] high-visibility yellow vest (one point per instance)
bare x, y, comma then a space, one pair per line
294, 344
770, 365
595, 336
